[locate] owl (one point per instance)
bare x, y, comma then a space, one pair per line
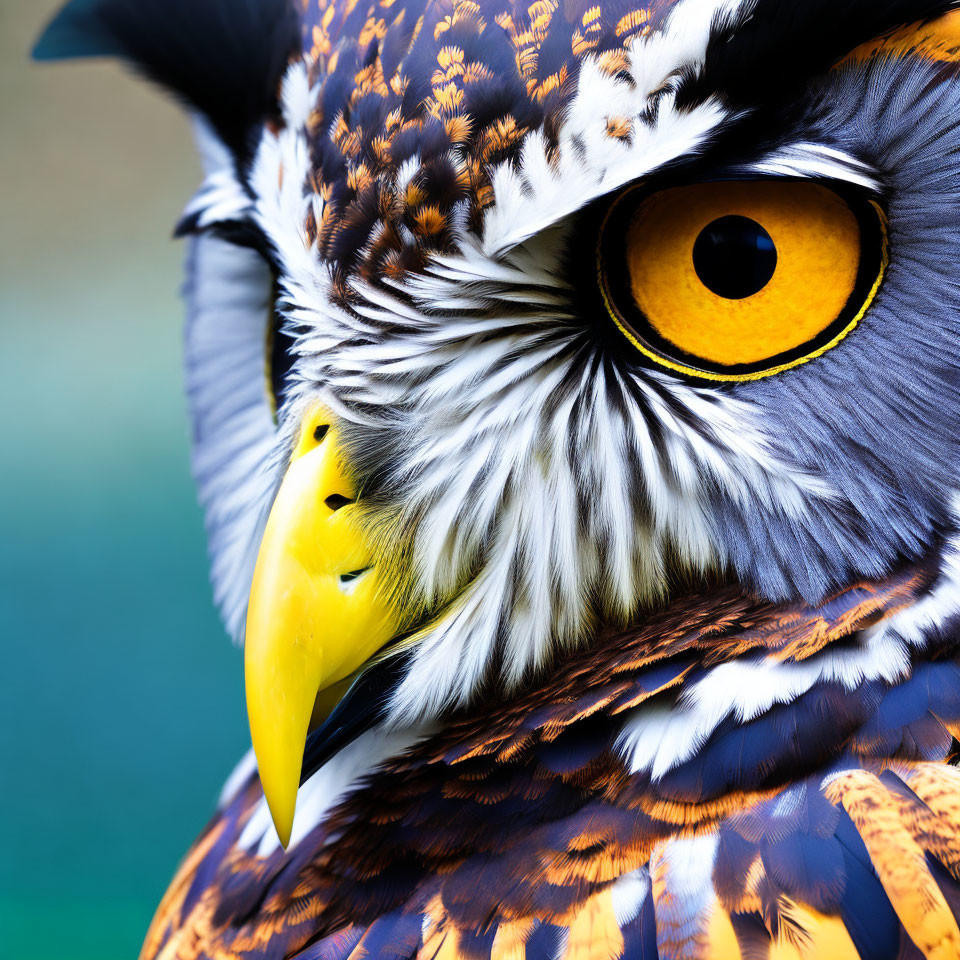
575, 391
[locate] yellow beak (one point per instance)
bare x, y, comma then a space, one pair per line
316, 611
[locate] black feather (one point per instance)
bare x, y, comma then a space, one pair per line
782, 45
363, 705
225, 58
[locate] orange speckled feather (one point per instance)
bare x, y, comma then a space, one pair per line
417, 79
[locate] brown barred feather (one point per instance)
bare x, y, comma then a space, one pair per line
516, 819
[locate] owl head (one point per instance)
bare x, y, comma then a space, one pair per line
508, 321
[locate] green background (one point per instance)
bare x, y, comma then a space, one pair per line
121, 701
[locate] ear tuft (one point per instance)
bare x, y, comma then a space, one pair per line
225, 58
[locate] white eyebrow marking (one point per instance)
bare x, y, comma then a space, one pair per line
810, 160
542, 186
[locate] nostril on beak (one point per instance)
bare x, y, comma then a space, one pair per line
350, 581
335, 501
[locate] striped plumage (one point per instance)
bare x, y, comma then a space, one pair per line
828, 823
676, 667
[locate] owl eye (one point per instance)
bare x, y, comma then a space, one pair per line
736, 280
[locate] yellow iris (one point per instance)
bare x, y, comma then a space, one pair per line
739, 279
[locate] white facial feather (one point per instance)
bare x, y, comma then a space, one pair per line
816, 160
221, 196
228, 292
534, 492
546, 187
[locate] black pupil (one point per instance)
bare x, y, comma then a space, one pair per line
734, 257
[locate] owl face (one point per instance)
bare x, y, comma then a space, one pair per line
509, 324
605, 300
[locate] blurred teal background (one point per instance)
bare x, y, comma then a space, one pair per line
121, 700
